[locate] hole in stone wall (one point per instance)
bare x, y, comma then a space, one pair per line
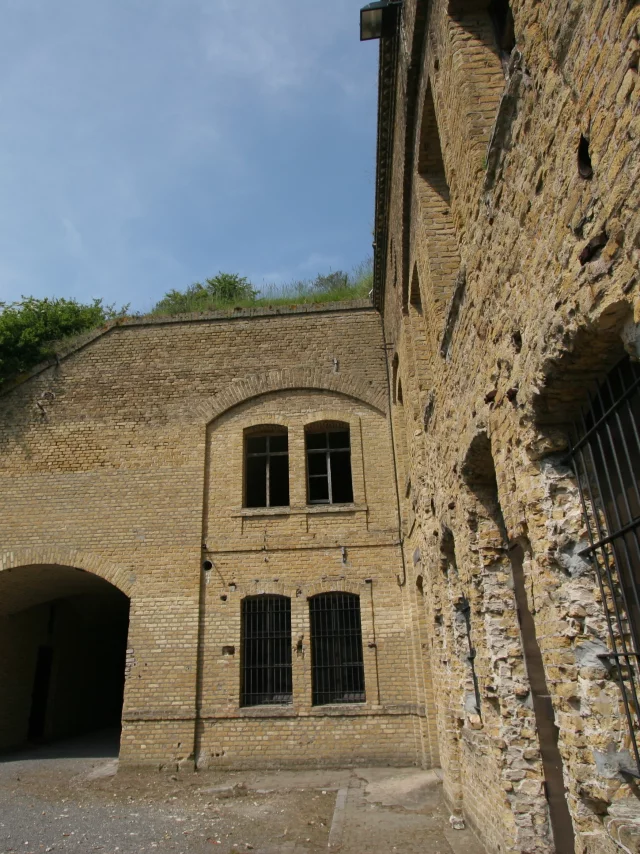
448, 553
591, 252
516, 339
420, 585
585, 168
228, 650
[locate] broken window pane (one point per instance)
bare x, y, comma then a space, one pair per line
267, 470
329, 464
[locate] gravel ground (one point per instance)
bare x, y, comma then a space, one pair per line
69, 798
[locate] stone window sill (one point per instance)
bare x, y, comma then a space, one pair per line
337, 709
268, 710
251, 512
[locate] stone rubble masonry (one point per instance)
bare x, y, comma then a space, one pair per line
131, 469
498, 316
506, 279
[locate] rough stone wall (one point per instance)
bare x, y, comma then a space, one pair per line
125, 460
545, 281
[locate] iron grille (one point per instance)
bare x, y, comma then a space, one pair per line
266, 650
606, 459
337, 664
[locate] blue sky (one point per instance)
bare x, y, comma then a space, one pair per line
146, 144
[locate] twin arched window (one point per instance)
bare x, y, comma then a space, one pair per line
337, 663
328, 465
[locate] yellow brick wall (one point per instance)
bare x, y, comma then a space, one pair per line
131, 468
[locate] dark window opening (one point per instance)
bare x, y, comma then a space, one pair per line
606, 459
329, 465
415, 298
266, 650
267, 470
337, 663
585, 169
503, 25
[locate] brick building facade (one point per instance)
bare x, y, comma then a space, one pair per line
125, 470
445, 570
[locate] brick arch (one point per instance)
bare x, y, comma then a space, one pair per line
290, 378
116, 574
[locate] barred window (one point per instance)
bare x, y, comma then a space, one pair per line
337, 664
329, 463
266, 467
266, 650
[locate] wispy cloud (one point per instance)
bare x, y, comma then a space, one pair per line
148, 143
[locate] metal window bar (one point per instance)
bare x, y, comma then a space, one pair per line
329, 466
605, 452
337, 663
266, 650
268, 449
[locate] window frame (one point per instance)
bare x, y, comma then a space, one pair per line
326, 428
264, 432
338, 652
272, 672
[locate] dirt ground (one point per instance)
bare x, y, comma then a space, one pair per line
71, 797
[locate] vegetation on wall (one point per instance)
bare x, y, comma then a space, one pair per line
30, 328
230, 290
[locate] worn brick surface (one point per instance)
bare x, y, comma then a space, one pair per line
496, 327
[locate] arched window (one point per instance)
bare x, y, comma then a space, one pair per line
328, 463
337, 664
266, 467
266, 650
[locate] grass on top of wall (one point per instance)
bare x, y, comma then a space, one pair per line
32, 329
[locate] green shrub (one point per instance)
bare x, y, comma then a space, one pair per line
222, 290
29, 328
229, 289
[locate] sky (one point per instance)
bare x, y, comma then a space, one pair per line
148, 144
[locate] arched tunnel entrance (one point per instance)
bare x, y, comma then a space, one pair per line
63, 642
